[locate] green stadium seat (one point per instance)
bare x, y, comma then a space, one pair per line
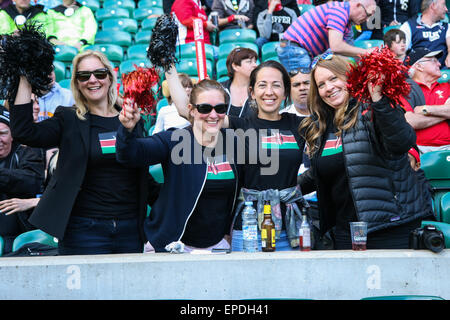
125, 4
223, 79
226, 48
94, 5
120, 38
120, 24
2, 245
189, 66
60, 70
221, 68
187, 51
148, 24
445, 76
269, 50
113, 52
143, 37
237, 35
142, 13
305, 7
65, 53
445, 208
157, 173
436, 166
103, 14
368, 44
34, 236
404, 297
441, 226
128, 65
386, 29
137, 51
150, 3
65, 83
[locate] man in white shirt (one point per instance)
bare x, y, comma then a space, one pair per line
300, 81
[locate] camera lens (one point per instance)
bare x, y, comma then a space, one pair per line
433, 241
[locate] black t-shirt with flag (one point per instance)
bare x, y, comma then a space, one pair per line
331, 170
109, 188
273, 160
211, 220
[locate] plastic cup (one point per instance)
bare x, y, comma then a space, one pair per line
358, 232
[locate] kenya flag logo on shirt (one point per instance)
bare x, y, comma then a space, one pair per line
279, 141
332, 146
220, 170
108, 142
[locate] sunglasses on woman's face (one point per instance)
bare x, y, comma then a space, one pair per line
206, 108
83, 76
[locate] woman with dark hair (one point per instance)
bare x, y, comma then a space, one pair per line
240, 64
92, 204
273, 151
359, 162
201, 177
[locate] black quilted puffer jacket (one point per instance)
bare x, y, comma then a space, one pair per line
386, 191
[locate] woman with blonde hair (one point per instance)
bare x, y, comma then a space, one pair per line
92, 203
359, 164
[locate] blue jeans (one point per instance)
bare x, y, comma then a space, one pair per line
100, 236
293, 57
281, 244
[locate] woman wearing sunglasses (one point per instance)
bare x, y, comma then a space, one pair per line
200, 172
274, 148
93, 204
359, 161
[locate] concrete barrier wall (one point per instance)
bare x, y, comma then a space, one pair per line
303, 275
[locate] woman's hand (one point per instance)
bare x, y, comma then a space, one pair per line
130, 114
375, 91
14, 205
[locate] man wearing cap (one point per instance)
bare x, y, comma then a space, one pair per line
427, 30
21, 176
328, 26
20, 11
431, 120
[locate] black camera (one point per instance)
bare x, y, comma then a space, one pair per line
427, 237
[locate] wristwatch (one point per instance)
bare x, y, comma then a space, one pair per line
425, 111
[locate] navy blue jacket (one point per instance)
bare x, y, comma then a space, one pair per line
184, 171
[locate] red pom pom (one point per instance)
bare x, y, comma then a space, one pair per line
138, 85
381, 68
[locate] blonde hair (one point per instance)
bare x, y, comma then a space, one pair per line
312, 128
80, 101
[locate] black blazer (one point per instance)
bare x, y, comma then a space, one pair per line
71, 135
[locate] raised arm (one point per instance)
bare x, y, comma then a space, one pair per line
177, 92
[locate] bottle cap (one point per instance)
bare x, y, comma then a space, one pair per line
248, 203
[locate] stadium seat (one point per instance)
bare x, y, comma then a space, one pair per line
103, 14
148, 24
137, 51
367, 44
128, 65
436, 165
157, 173
237, 35
125, 4
34, 236
65, 83
143, 37
445, 76
445, 207
120, 38
269, 50
305, 7
386, 29
404, 297
441, 226
142, 13
187, 51
189, 66
65, 53
60, 70
120, 24
221, 68
226, 48
150, 3
2, 244
113, 52
161, 103
223, 79
94, 5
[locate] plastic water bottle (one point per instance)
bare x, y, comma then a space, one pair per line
305, 233
249, 228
